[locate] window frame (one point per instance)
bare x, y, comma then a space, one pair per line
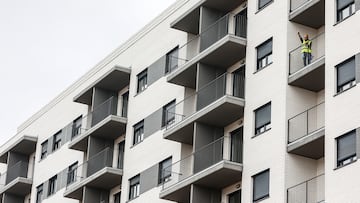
71, 175
57, 140
268, 58
232, 194
39, 193
142, 81
267, 126
44, 149
259, 8
138, 127
254, 185
350, 6
165, 121
162, 178
52, 186
351, 82
134, 188
76, 126
168, 67
351, 158
117, 195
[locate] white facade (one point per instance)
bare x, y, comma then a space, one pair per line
213, 132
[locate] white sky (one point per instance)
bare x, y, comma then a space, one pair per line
46, 45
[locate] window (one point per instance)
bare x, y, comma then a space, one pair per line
117, 197
138, 132
125, 102
168, 115
264, 54
263, 119
121, 147
241, 23
263, 3
134, 187
142, 81
172, 59
345, 75
72, 173
235, 197
39, 193
236, 148
52, 185
261, 186
165, 170
76, 127
44, 148
345, 8
346, 148
57, 141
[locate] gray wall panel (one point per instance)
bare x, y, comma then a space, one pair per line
9, 198
149, 178
152, 123
96, 145
357, 5
357, 67
101, 95
92, 195
156, 70
202, 195
357, 142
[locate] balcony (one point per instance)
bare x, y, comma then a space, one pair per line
212, 166
98, 172
102, 122
220, 45
189, 21
26, 145
306, 132
311, 76
310, 191
114, 80
308, 12
217, 103
17, 180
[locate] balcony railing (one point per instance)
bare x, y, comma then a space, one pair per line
232, 84
295, 4
229, 24
306, 122
97, 162
200, 160
99, 113
310, 191
20, 169
296, 62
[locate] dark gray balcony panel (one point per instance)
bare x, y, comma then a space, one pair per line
311, 146
311, 77
114, 80
149, 178
20, 186
217, 176
26, 145
109, 128
222, 54
357, 66
107, 178
219, 113
204, 194
156, 70
357, 5
95, 195
11, 198
152, 123
310, 13
189, 21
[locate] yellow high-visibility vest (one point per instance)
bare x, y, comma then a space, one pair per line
306, 46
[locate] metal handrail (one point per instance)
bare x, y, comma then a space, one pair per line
300, 5
318, 196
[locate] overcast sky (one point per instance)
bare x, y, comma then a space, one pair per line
46, 45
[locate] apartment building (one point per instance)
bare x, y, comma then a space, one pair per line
211, 102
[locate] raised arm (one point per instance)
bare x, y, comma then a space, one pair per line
301, 39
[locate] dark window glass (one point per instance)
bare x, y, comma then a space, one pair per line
121, 147
241, 23
346, 74
346, 148
239, 82
57, 141
235, 197
134, 187
44, 148
165, 170
117, 197
168, 115
263, 118
172, 59
138, 132
125, 102
264, 54
142, 81
261, 185
39, 193
237, 145
72, 173
52, 185
345, 8
76, 127
263, 3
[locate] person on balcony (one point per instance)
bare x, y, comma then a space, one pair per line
306, 49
